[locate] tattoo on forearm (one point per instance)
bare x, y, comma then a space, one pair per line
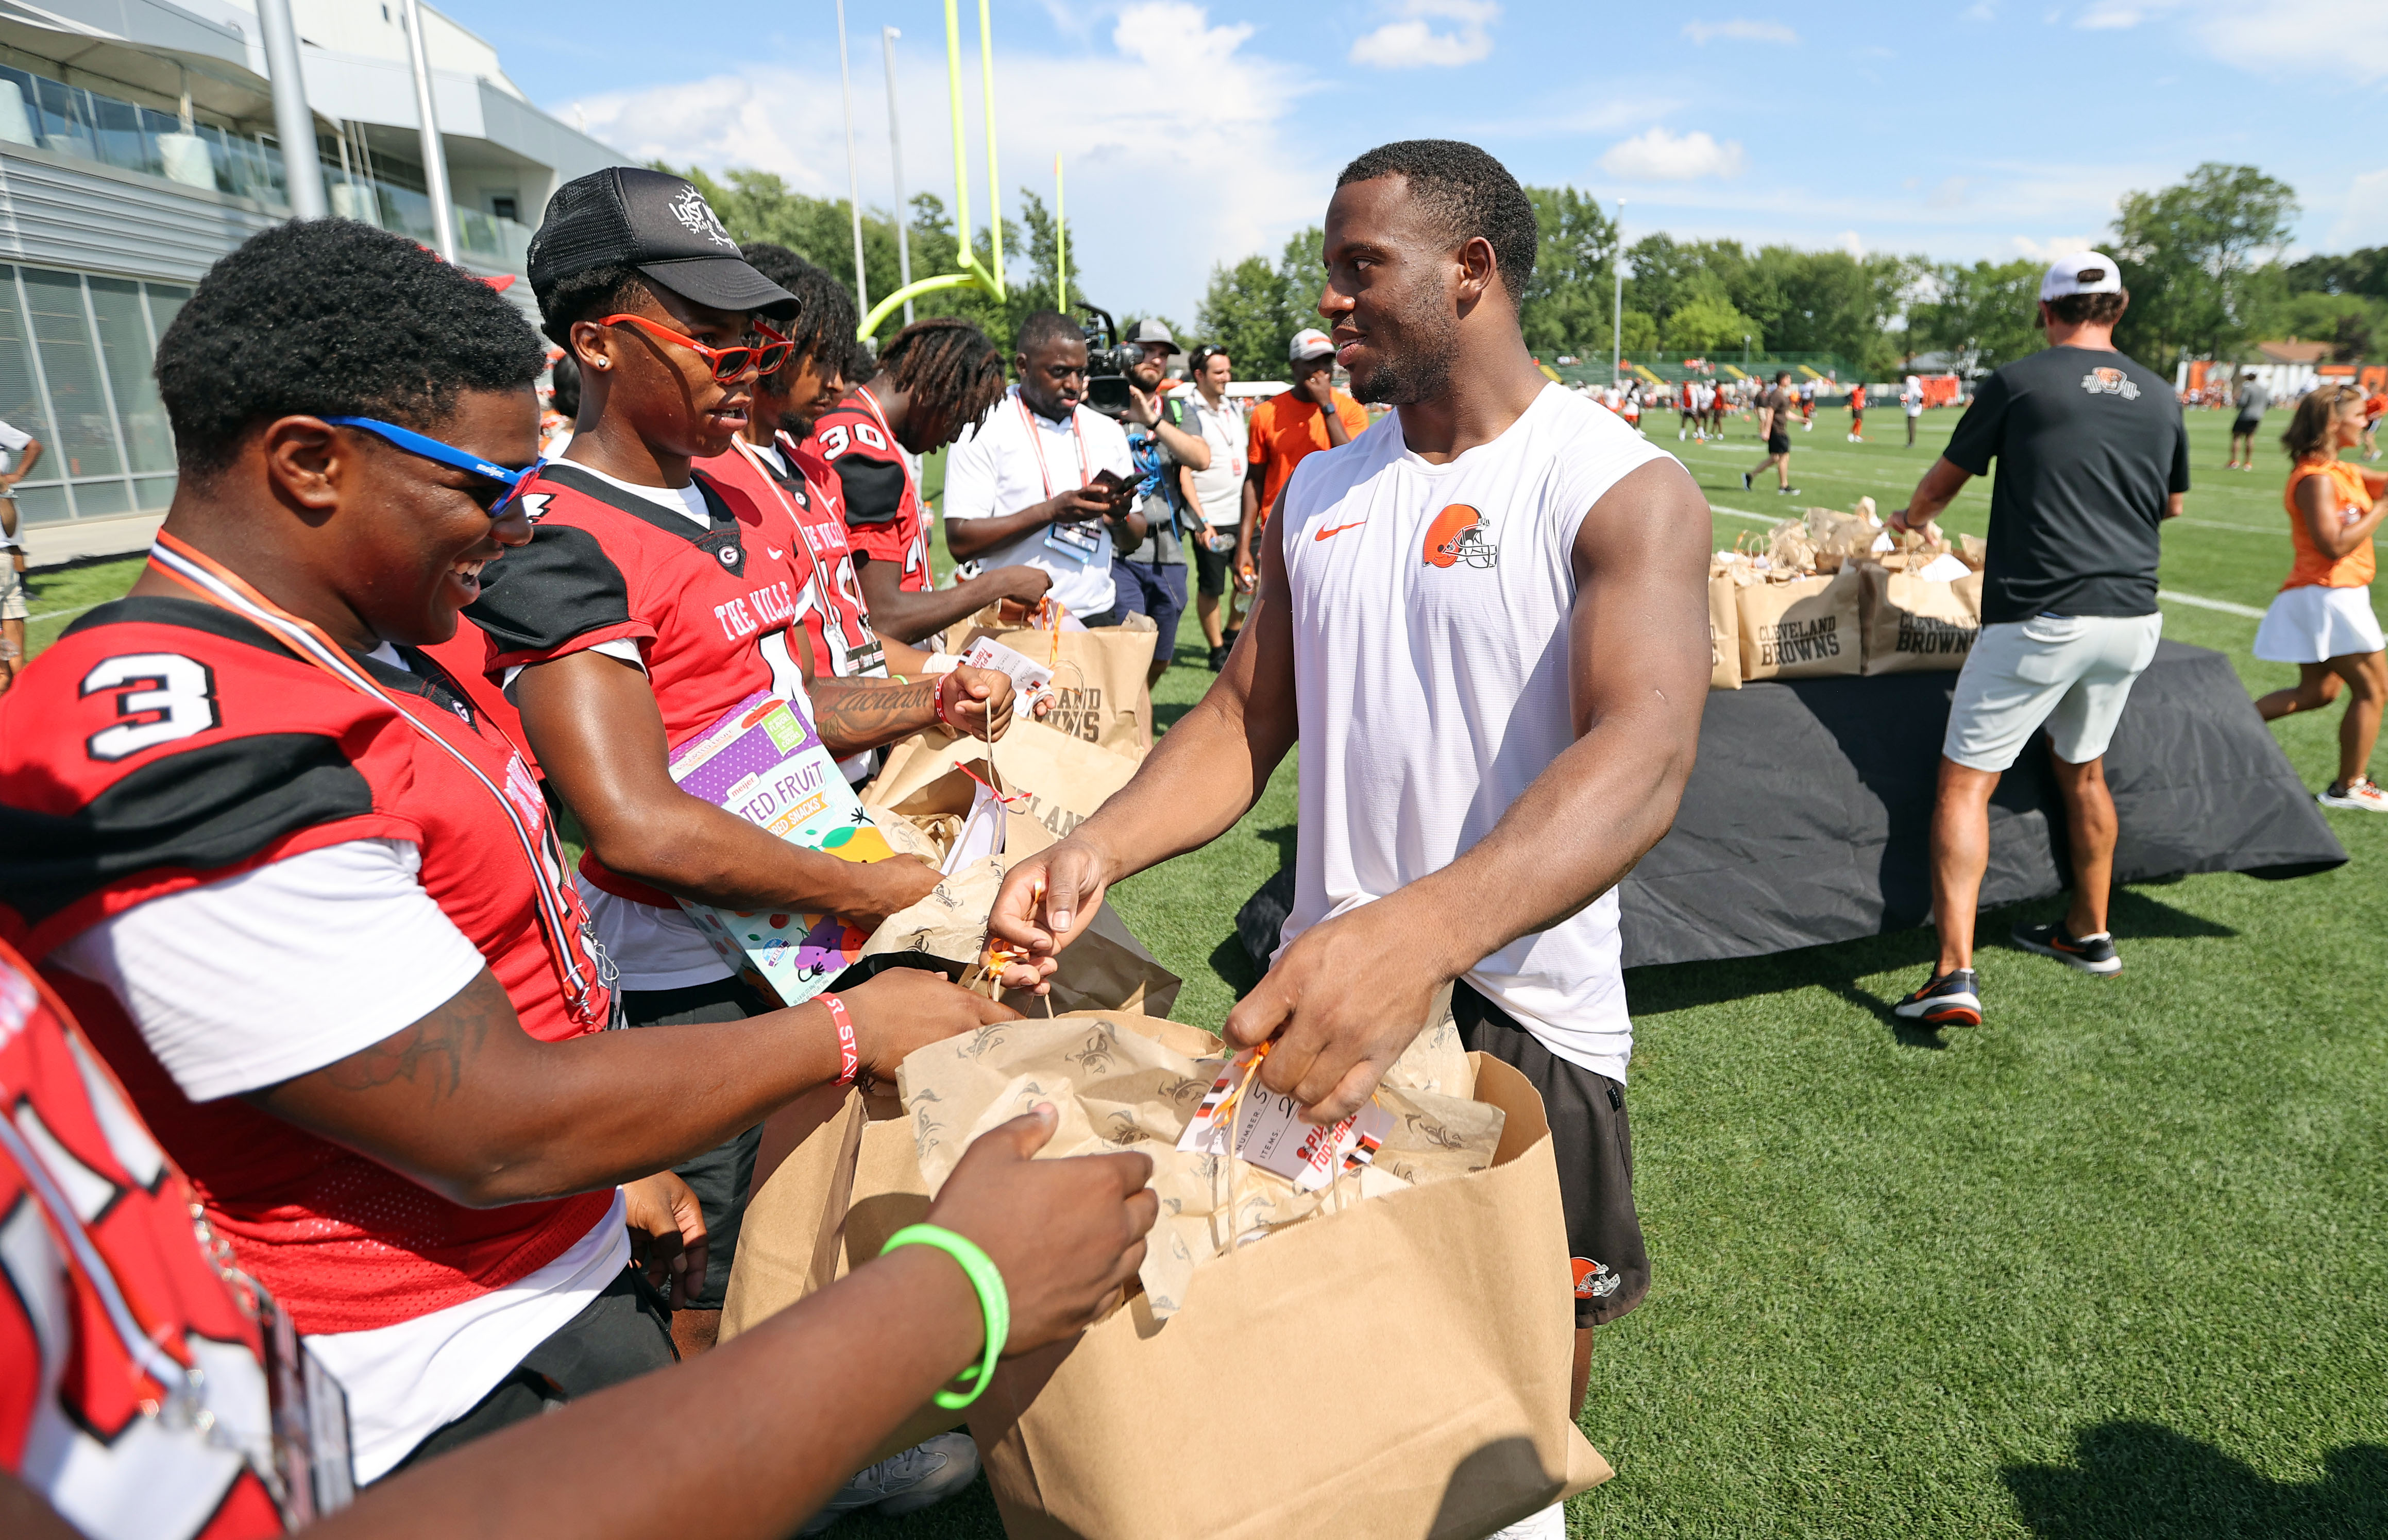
853, 715
434, 1051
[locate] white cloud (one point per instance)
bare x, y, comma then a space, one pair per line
1851, 243
2272, 37
2363, 213
1412, 43
1659, 156
1740, 31
2050, 250
1186, 117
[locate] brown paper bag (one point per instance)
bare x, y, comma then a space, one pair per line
850, 1178
1054, 782
1098, 677
1808, 628
1916, 623
1725, 633
1399, 1368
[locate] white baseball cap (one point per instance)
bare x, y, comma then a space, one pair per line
1310, 343
2081, 272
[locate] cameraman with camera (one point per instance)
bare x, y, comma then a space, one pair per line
1043, 480
1162, 435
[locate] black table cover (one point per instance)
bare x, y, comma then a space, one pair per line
1808, 817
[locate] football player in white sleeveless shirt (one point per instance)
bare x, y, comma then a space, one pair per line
1484, 620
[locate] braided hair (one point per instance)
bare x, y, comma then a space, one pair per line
823, 330
950, 370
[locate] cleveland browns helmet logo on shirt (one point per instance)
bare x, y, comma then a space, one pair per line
2111, 382
1457, 535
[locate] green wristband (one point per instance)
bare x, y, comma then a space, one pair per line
993, 1303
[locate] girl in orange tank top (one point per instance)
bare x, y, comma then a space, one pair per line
2322, 620
2314, 566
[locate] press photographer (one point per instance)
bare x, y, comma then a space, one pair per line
1162, 435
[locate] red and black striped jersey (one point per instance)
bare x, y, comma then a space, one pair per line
708, 607
110, 1305
884, 519
829, 603
165, 743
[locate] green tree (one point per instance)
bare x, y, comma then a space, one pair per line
1985, 316
1254, 310
1709, 323
1239, 312
2187, 252
1566, 305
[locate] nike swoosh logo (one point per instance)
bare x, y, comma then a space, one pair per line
776, 553
1338, 529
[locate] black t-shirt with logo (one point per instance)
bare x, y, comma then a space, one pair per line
2089, 446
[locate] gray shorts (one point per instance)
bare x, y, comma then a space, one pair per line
12, 588
2070, 673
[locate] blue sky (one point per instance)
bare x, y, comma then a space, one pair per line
1196, 133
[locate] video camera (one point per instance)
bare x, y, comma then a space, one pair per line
1108, 362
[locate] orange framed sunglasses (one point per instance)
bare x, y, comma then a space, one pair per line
728, 363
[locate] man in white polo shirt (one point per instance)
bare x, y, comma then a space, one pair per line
1484, 621
1042, 482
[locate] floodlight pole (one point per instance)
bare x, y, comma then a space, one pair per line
1617, 311
293, 124
993, 178
853, 177
887, 36
972, 273
435, 159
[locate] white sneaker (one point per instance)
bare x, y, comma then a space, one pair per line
2360, 794
928, 1472
1549, 1525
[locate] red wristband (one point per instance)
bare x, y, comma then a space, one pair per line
937, 698
849, 1061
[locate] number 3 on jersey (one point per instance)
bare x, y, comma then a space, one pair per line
161, 697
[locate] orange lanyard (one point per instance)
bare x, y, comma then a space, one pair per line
1036, 442
218, 586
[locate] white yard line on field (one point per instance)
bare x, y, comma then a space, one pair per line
57, 615
2222, 605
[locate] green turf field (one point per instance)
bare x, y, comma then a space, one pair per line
2114, 1264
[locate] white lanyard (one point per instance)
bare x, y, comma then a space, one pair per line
1036, 442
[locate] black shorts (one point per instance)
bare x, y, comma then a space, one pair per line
721, 1176
1594, 1146
1778, 443
2246, 427
1214, 568
622, 1334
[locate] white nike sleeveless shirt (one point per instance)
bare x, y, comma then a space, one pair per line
1430, 607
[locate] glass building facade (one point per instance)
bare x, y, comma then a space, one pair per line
75, 352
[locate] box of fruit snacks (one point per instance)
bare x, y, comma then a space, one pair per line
764, 762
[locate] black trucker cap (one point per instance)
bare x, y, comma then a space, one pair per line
656, 223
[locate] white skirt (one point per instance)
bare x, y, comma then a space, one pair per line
2312, 625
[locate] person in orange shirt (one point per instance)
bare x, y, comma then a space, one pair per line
2321, 619
2373, 405
1287, 426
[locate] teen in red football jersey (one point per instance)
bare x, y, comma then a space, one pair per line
935, 381
135, 1398
653, 599
307, 899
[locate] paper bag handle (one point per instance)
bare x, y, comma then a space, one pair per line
841, 1195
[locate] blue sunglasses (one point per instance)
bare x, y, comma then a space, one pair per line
446, 454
